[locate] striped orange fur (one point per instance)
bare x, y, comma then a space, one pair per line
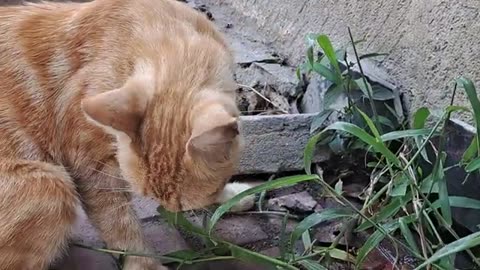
100, 98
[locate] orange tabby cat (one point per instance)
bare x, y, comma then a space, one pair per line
99, 98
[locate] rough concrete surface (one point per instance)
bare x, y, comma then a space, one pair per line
275, 143
429, 43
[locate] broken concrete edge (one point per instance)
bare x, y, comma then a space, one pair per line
463, 125
276, 143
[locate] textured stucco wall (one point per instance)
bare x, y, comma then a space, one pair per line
429, 43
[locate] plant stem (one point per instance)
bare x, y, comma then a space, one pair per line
369, 90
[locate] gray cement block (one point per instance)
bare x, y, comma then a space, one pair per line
276, 143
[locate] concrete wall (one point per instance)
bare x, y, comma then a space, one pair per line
429, 42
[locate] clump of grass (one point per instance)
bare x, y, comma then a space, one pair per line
415, 206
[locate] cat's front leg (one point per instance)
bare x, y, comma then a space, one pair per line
107, 204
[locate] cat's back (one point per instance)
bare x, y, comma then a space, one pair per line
49, 51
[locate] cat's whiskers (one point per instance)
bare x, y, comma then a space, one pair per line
128, 190
109, 175
104, 164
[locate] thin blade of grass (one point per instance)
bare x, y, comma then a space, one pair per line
326, 45
325, 72
310, 150
316, 218
373, 241
459, 245
438, 175
407, 234
310, 59
402, 134
473, 165
281, 182
312, 265
370, 124
386, 213
360, 134
464, 202
377, 237
320, 119
420, 118
246, 255
469, 87
471, 151
306, 240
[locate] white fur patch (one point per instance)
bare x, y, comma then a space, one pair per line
233, 189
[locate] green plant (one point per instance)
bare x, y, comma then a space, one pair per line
407, 185
347, 91
411, 208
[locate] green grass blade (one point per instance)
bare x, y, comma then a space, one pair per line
310, 150
459, 245
471, 151
438, 175
316, 218
325, 72
395, 135
310, 58
326, 45
370, 124
467, 84
246, 255
177, 219
420, 118
407, 234
312, 265
366, 89
464, 202
320, 119
365, 137
373, 241
306, 240
237, 252
386, 213
473, 165
281, 182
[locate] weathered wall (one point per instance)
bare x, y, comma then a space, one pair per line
429, 43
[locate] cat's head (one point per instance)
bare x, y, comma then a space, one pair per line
179, 146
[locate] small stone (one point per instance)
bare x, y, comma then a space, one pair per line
298, 202
327, 232
246, 53
145, 207
272, 252
268, 73
240, 230
318, 208
163, 238
276, 143
276, 223
81, 258
312, 101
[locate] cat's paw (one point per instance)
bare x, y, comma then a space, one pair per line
233, 189
143, 263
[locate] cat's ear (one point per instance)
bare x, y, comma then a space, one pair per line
119, 110
215, 144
